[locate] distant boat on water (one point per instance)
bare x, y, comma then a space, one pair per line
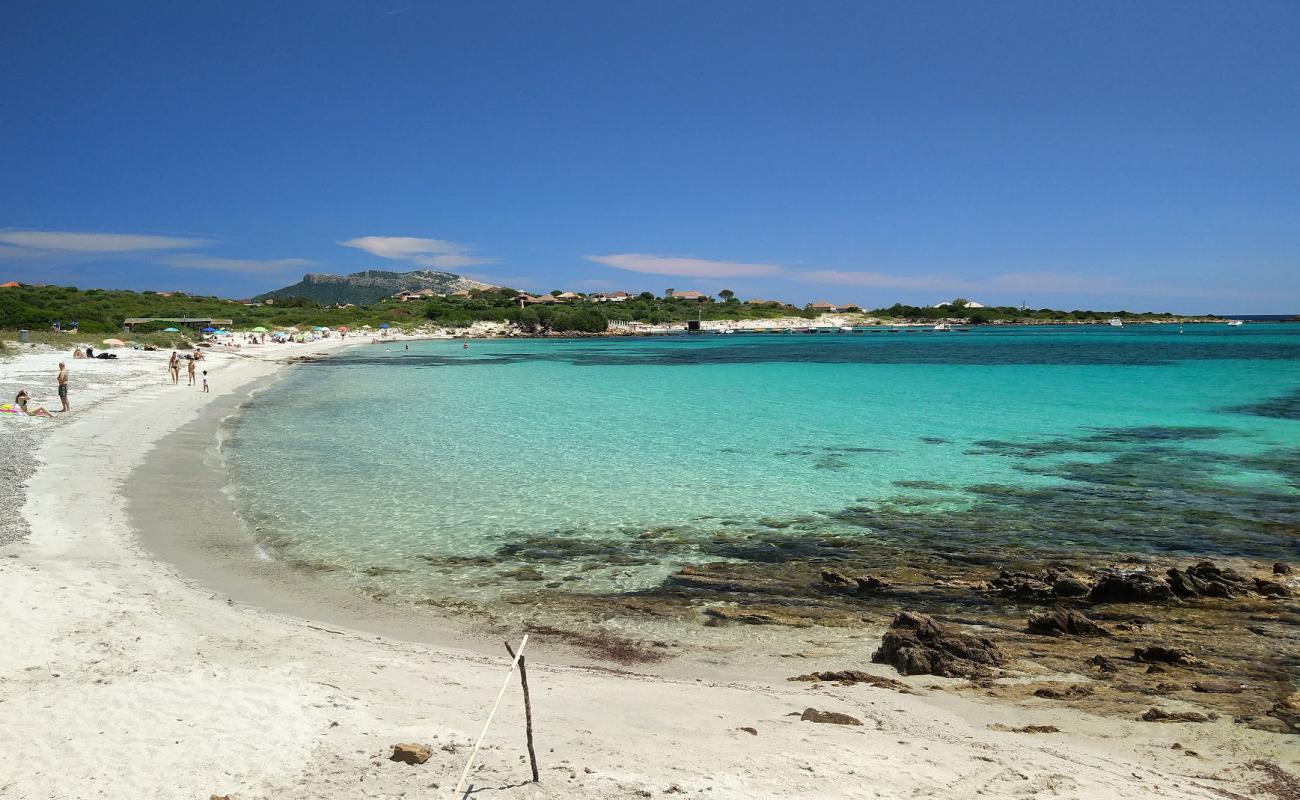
1116, 322
943, 327
1236, 322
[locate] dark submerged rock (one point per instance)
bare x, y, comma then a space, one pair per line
1281, 568
916, 645
861, 584
1064, 622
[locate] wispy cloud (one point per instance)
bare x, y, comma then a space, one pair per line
94, 243
685, 266
437, 253
238, 264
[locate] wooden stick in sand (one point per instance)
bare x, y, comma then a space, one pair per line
455, 793
528, 711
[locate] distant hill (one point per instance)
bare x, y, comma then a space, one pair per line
372, 285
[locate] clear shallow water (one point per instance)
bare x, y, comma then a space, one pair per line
596, 466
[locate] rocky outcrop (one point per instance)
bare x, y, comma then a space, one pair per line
916, 645
1205, 579
1064, 622
828, 717
1159, 654
1049, 584
410, 753
1129, 587
372, 285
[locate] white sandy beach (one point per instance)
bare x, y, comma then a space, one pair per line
120, 678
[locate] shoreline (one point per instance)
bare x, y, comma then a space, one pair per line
122, 677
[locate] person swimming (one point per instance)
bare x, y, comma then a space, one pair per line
21, 401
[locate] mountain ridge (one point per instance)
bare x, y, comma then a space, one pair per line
371, 285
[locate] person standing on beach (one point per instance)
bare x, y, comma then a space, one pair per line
63, 386
190, 369
174, 367
205, 381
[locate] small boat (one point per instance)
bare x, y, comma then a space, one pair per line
943, 327
1236, 322
1116, 322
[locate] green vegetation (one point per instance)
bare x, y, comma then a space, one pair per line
36, 308
980, 316
100, 311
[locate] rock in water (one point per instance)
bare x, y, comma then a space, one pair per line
1064, 622
1281, 568
916, 645
828, 717
1129, 587
410, 753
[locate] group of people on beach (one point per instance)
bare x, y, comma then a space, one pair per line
23, 399
191, 367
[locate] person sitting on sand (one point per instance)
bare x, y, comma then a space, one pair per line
21, 402
78, 353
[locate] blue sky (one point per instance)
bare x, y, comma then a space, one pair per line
1087, 155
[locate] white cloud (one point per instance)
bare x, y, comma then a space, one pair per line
684, 267
238, 264
437, 253
90, 243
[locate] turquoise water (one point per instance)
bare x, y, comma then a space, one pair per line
601, 465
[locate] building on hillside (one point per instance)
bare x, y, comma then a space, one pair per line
546, 299
403, 297
691, 294
461, 293
568, 297
823, 306
10, 285
608, 297
963, 304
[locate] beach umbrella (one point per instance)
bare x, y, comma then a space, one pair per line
114, 342
365, 327
209, 330
171, 330
343, 327
384, 325
319, 328
259, 329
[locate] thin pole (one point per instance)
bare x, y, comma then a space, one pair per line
474, 753
528, 711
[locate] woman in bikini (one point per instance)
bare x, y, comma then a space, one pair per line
190, 368
21, 402
174, 367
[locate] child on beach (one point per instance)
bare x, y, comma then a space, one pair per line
190, 368
205, 381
